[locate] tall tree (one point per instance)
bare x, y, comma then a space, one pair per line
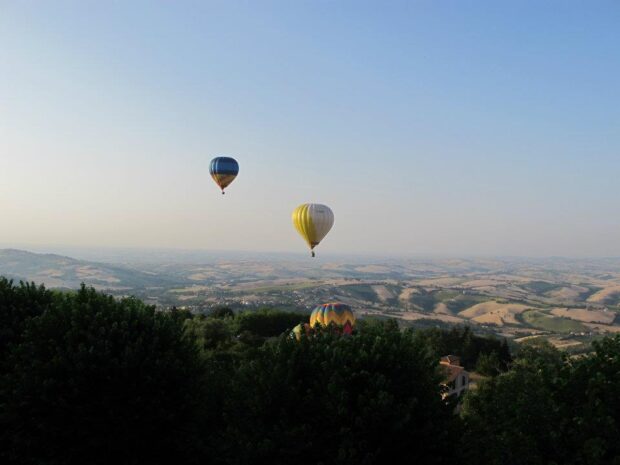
18, 304
95, 380
370, 398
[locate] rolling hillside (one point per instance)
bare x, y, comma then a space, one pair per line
57, 271
553, 298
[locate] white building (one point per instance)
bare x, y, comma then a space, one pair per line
456, 378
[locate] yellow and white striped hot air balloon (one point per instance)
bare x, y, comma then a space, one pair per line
313, 221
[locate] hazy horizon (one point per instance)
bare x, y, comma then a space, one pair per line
480, 130
118, 254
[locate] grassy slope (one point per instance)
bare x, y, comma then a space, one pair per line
555, 324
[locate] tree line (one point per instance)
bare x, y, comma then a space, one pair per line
86, 378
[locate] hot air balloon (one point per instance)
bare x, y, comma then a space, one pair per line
339, 314
223, 171
301, 329
313, 221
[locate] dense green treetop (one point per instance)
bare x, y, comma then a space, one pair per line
96, 380
369, 398
548, 409
461, 341
86, 378
19, 303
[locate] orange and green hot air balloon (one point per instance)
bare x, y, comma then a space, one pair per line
313, 221
223, 170
335, 313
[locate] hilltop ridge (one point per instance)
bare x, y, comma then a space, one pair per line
569, 301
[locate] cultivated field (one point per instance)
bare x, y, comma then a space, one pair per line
569, 302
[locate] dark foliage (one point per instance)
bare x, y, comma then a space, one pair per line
548, 409
18, 304
222, 312
89, 379
508, 417
591, 402
268, 322
94, 380
370, 398
469, 347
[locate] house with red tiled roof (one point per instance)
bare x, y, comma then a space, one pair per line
456, 378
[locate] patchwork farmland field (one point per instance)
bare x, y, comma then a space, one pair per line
558, 299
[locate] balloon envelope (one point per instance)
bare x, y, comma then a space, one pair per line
336, 313
301, 329
313, 221
223, 170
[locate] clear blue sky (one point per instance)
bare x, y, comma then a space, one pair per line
435, 127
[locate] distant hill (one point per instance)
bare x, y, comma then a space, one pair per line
570, 302
58, 271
